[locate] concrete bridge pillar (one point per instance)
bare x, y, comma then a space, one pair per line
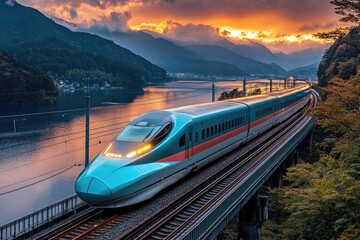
251, 217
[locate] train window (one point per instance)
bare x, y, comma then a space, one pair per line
182, 141
232, 123
266, 111
203, 134
212, 131
219, 127
223, 127
190, 136
196, 137
207, 132
162, 133
216, 129
133, 133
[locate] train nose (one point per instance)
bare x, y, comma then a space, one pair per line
93, 190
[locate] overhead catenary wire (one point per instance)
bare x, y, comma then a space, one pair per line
79, 132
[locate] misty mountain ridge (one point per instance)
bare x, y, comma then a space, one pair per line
250, 66
172, 56
166, 54
189, 58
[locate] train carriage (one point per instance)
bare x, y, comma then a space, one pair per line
159, 148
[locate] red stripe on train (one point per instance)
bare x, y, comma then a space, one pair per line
180, 156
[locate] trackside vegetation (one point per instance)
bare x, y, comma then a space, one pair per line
321, 197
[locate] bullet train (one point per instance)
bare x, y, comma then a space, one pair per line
159, 148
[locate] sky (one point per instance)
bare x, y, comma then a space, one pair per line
281, 25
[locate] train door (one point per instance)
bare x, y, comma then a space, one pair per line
189, 146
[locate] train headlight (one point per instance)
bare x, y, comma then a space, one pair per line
106, 153
139, 151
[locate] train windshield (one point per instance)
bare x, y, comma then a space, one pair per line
135, 133
146, 127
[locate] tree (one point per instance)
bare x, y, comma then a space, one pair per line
350, 12
349, 9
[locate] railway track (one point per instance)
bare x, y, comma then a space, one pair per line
169, 221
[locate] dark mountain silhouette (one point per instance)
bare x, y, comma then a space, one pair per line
23, 28
22, 84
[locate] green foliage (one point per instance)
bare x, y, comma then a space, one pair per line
342, 58
64, 62
235, 93
320, 202
348, 9
22, 84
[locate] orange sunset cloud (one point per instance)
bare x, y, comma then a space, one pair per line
281, 25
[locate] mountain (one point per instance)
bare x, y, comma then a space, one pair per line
23, 28
261, 53
306, 72
248, 65
173, 58
22, 84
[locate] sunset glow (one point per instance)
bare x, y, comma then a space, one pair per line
280, 25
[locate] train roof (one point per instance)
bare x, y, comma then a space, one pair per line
198, 110
205, 108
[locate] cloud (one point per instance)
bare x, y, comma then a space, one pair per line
192, 33
116, 21
317, 26
73, 13
101, 4
199, 21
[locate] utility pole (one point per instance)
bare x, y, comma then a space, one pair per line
87, 123
284, 83
244, 87
213, 91
271, 85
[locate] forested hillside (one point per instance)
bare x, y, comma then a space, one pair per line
321, 199
342, 59
22, 84
40, 42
